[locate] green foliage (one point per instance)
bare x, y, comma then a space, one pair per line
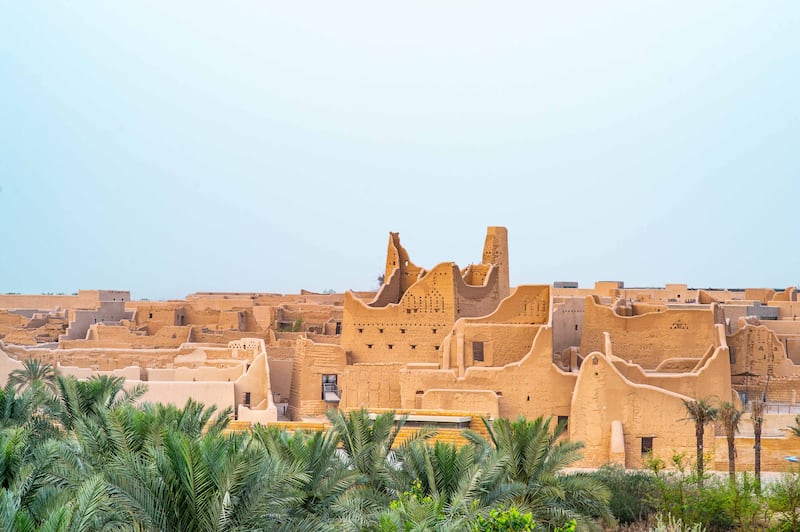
716, 504
632, 492
297, 326
784, 500
537, 456
504, 519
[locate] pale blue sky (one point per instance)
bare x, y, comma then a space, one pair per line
173, 147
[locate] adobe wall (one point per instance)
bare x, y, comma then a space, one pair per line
484, 401
603, 396
531, 386
129, 373
7, 365
220, 394
650, 338
84, 299
256, 382
757, 349
414, 327
280, 372
567, 323
81, 320
374, 385
774, 450
311, 362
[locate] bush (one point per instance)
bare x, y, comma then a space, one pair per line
632, 492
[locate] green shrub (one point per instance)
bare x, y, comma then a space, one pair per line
632, 492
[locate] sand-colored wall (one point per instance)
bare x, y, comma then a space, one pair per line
650, 338
129, 373
603, 395
758, 350
484, 401
280, 373
374, 385
567, 323
220, 394
311, 362
531, 386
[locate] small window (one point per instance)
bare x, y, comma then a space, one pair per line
360, 331
380, 331
413, 346
434, 331
330, 387
477, 351
564, 420
390, 346
647, 444
436, 347
576, 326
150, 316
402, 331
369, 346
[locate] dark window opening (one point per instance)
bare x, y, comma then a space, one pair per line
564, 420
436, 347
391, 346
380, 331
338, 327
413, 346
647, 444
402, 331
369, 346
434, 331
150, 316
576, 326
360, 331
246, 401
477, 351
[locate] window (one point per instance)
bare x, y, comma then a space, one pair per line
390, 346
564, 420
330, 388
339, 327
151, 316
477, 351
647, 444
246, 400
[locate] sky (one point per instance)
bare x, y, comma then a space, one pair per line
173, 147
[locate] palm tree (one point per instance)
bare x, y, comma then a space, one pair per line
321, 496
796, 428
701, 412
33, 373
368, 447
537, 456
215, 482
90, 397
757, 417
463, 482
730, 416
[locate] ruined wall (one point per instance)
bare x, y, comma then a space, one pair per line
758, 350
650, 338
81, 320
